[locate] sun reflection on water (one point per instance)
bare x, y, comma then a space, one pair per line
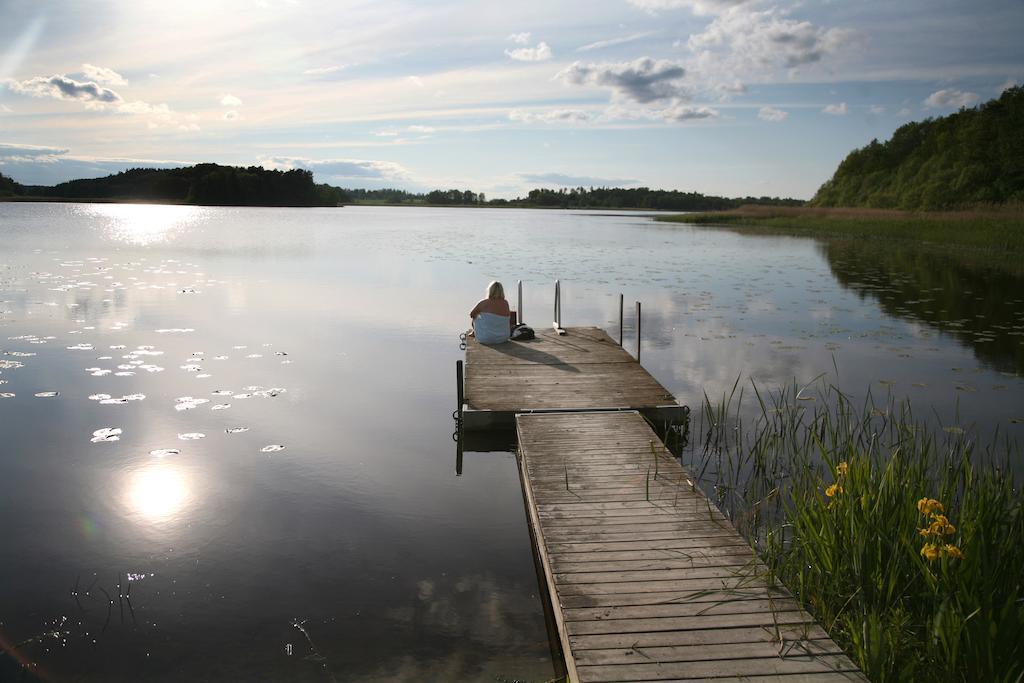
158, 492
144, 224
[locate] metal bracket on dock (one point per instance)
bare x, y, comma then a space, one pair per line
557, 324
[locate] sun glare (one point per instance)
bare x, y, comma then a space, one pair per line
157, 493
144, 224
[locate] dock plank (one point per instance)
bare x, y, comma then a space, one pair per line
648, 580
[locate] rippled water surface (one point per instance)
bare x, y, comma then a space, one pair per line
226, 433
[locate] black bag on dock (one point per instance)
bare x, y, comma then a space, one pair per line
522, 332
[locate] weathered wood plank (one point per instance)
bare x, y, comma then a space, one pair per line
781, 635
648, 579
706, 652
663, 671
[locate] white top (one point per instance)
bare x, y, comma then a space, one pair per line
491, 328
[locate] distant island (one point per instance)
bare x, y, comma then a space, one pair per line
217, 185
972, 158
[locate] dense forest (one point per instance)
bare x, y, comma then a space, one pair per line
204, 184
970, 158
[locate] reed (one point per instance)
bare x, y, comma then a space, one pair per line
994, 229
905, 540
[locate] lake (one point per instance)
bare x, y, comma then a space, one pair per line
226, 447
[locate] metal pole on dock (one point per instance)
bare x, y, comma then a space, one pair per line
557, 324
637, 331
620, 319
520, 309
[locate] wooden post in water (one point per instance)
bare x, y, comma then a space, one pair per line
520, 310
637, 331
620, 319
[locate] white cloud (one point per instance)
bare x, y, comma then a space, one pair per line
95, 97
566, 180
230, 100
601, 44
679, 112
63, 87
643, 80
700, 7
420, 129
5, 109
552, 116
876, 109
324, 70
836, 109
520, 38
341, 169
675, 112
101, 74
540, 53
740, 44
950, 99
772, 114
11, 152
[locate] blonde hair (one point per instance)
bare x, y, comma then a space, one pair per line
495, 290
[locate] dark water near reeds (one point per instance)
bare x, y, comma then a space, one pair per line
281, 501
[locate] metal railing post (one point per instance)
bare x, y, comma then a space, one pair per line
637, 331
520, 309
620, 319
557, 324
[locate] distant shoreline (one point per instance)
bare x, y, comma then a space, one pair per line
130, 200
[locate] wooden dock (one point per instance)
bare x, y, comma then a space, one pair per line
647, 579
581, 370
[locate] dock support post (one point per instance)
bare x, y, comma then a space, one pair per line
460, 397
520, 309
637, 331
620, 319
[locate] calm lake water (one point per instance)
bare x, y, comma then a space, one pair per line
280, 501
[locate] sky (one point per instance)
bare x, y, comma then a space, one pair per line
724, 97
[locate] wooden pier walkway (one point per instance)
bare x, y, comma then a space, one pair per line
647, 579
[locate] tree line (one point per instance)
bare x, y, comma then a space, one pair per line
203, 184
970, 158
213, 184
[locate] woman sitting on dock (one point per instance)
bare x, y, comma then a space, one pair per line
491, 316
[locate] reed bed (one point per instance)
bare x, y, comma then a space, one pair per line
997, 229
904, 538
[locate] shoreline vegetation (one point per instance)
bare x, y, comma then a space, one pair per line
902, 537
993, 228
996, 234
216, 185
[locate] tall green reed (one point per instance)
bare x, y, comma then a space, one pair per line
828, 492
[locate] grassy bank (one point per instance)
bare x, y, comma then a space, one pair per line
996, 230
905, 542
